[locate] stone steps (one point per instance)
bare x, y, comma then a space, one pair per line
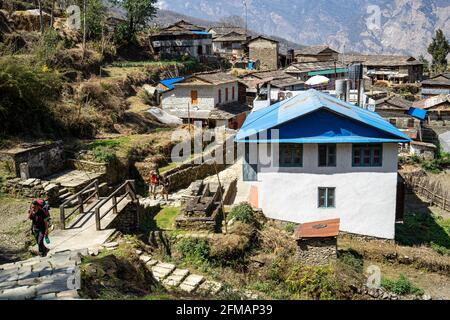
172, 277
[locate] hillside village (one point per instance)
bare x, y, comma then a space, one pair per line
183, 161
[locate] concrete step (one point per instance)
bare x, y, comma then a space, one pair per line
191, 283
162, 270
176, 278
62, 191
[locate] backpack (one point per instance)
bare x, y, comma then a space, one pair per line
45, 206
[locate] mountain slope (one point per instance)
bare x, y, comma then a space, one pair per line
405, 26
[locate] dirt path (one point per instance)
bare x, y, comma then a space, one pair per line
14, 229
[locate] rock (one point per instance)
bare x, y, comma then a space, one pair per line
47, 296
210, 287
152, 263
138, 252
19, 293
426, 297
112, 245
68, 294
385, 296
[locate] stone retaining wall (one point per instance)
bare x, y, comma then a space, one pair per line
317, 251
210, 224
32, 188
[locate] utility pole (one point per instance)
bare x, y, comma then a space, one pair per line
246, 17
84, 28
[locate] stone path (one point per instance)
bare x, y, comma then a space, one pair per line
54, 277
74, 179
172, 277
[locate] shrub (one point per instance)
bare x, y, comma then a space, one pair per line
243, 212
313, 282
352, 259
104, 154
195, 251
401, 286
290, 227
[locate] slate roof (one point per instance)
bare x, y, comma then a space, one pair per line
182, 27
396, 102
223, 30
303, 67
432, 101
280, 78
313, 50
379, 60
213, 78
283, 114
232, 36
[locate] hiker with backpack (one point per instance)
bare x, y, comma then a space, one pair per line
40, 217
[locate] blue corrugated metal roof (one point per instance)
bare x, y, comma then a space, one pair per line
169, 83
364, 125
417, 113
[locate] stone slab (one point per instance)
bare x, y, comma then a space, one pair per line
151, 263
175, 279
164, 265
47, 296
68, 294
19, 293
210, 287
193, 280
187, 288
160, 273
145, 258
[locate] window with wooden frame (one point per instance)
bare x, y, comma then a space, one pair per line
291, 155
327, 197
232, 93
327, 155
226, 94
194, 97
393, 121
220, 96
367, 155
410, 123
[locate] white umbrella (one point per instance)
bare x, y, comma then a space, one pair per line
317, 80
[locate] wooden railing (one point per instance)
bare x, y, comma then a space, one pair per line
127, 188
81, 202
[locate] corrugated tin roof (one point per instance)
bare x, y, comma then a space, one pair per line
417, 113
169, 83
305, 104
318, 229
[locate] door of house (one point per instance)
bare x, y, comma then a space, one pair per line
400, 205
249, 170
194, 97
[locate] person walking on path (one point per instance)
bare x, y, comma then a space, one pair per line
39, 225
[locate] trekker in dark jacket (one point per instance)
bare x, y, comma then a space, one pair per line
39, 226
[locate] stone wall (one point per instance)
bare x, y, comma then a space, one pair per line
210, 224
317, 251
114, 172
127, 221
41, 159
32, 188
266, 52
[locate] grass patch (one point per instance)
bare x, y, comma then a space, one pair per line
352, 259
169, 167
165, 219
401, 286
426, 229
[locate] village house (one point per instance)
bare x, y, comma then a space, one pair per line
334, 70
389, 68
395, 110
229, 42
316, 54
213, 98
278, 82
437, 107
264, 50
183, 38
435, 86
328, 160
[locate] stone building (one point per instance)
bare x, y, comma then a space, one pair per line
392, 69
435, 86
183, 38
317, 241
33, 160
229, 42
393, 109
212, 98
265, 50
316, 54
437, 107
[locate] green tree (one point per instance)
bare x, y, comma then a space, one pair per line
95, 17
439, 49
425, 62
139, 14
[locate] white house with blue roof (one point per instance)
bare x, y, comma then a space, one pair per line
328, 159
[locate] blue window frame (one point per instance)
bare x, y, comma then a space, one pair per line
327, 197
291, 155
367, 155
327, 155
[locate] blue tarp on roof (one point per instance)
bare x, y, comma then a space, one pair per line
417, 113
200, 32
316, 117
169, 83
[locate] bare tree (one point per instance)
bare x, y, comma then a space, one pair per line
41, 23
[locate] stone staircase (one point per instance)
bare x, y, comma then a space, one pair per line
172, 277
55, 277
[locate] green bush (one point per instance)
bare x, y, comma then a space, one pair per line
317, 283
352, 259
290, 227
401, 286
243, 212
195, 251
104, 154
